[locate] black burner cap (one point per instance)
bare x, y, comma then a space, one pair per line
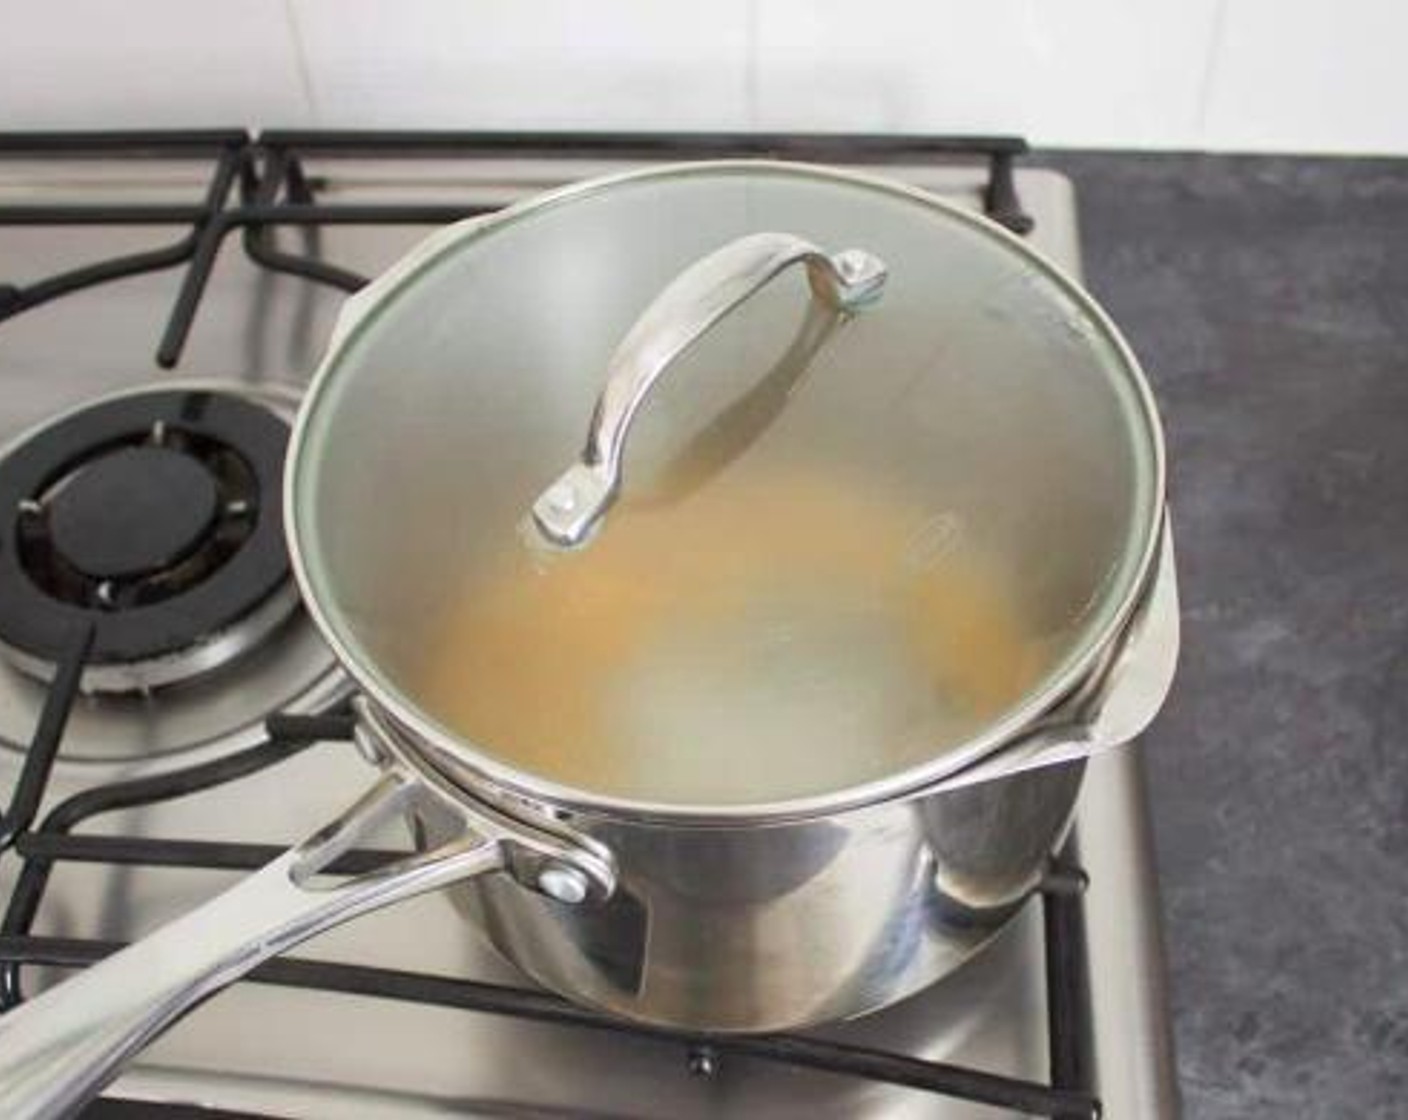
137, 510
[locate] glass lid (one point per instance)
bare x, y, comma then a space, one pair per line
868, 487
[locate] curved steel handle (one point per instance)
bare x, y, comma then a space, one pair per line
692, 303
1119, 701
60, 1048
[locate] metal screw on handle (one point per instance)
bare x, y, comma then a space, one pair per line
693, 302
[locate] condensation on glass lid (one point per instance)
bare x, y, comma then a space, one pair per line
833, 639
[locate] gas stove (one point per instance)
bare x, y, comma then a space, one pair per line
149, 630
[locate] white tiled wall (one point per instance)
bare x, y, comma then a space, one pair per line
1313, 75
1061, 71
548, 63
147, 63
1319, 74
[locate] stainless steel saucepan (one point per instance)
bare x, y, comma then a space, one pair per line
742, 673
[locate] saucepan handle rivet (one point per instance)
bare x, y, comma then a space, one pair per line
566, 884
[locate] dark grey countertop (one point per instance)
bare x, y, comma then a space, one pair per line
1268, 299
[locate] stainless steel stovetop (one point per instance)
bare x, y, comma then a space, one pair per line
284, 1052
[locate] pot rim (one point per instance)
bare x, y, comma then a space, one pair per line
541, 791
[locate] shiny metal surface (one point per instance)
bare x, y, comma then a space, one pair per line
305, 1054
894, 886
60, 1048
768, 928
676, 925
743, 926
1130, 1019
694, 301
290, 671
353, 567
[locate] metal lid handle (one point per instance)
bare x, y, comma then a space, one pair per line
692, 303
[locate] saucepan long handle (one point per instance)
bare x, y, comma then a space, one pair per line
692, 303
62, 1047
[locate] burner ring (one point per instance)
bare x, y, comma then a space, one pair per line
148, 618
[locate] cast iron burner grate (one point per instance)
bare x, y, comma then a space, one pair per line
274, 191
158, 512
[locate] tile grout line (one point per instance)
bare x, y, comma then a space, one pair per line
750, 70
305, 75
1209, 74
